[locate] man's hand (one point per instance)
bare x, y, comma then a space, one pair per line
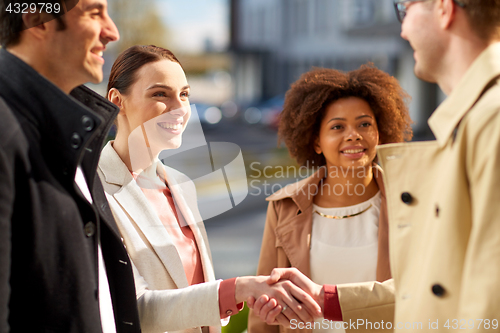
298, 304
270, 311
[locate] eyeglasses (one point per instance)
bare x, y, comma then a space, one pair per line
400, 6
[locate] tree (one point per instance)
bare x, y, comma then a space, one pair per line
138, 23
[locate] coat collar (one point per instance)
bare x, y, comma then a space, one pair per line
68, 126
300, 192
112, 167
481, 73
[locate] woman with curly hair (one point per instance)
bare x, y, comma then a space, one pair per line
332, 226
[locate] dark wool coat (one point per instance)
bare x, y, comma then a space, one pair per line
49, 232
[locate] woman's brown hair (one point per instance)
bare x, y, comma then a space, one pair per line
131, 60
314, 91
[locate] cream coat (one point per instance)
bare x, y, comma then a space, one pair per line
165, 301
448, 238
287, 236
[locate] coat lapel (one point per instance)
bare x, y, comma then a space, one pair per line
295, 238
294, 234
135, 203
449, 114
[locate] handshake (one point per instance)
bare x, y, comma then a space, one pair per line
284, 295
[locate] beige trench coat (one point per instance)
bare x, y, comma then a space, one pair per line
443, 199
287, 235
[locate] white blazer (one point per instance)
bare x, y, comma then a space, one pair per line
165, 300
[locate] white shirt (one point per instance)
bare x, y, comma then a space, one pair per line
344, 250
105, 304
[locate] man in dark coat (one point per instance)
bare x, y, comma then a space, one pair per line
63, 267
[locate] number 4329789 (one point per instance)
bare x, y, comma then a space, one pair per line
25, 8
463, 324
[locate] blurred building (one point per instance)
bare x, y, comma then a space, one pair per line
274, 41
208, 75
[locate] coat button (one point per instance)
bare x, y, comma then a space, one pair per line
438, 290
406, 197
76, 141
88, 123
229, 312
89, 229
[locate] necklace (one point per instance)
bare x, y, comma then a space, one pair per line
342, 217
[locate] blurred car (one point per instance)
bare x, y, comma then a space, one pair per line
265, 113
210, 115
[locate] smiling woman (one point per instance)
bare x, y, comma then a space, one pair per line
333, 225
153, 96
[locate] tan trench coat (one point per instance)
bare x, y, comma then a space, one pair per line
443, 199
287, 236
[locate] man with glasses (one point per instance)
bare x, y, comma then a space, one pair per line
443, 196
401, 5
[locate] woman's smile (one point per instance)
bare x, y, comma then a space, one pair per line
353, 152
174, 128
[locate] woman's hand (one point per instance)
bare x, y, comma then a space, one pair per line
298, 304
268, 310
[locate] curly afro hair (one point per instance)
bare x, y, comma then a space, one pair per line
308, 98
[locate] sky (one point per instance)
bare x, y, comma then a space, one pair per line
191, 22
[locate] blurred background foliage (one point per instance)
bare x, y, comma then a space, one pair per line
139, 24
238, 323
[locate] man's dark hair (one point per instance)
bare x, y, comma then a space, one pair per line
11, 23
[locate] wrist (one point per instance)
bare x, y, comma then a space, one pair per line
320, 299
241, 289
249, 286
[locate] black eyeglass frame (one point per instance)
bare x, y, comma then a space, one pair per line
401, 10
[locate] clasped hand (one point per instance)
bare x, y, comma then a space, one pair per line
291, 296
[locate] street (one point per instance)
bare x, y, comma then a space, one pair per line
235, 236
